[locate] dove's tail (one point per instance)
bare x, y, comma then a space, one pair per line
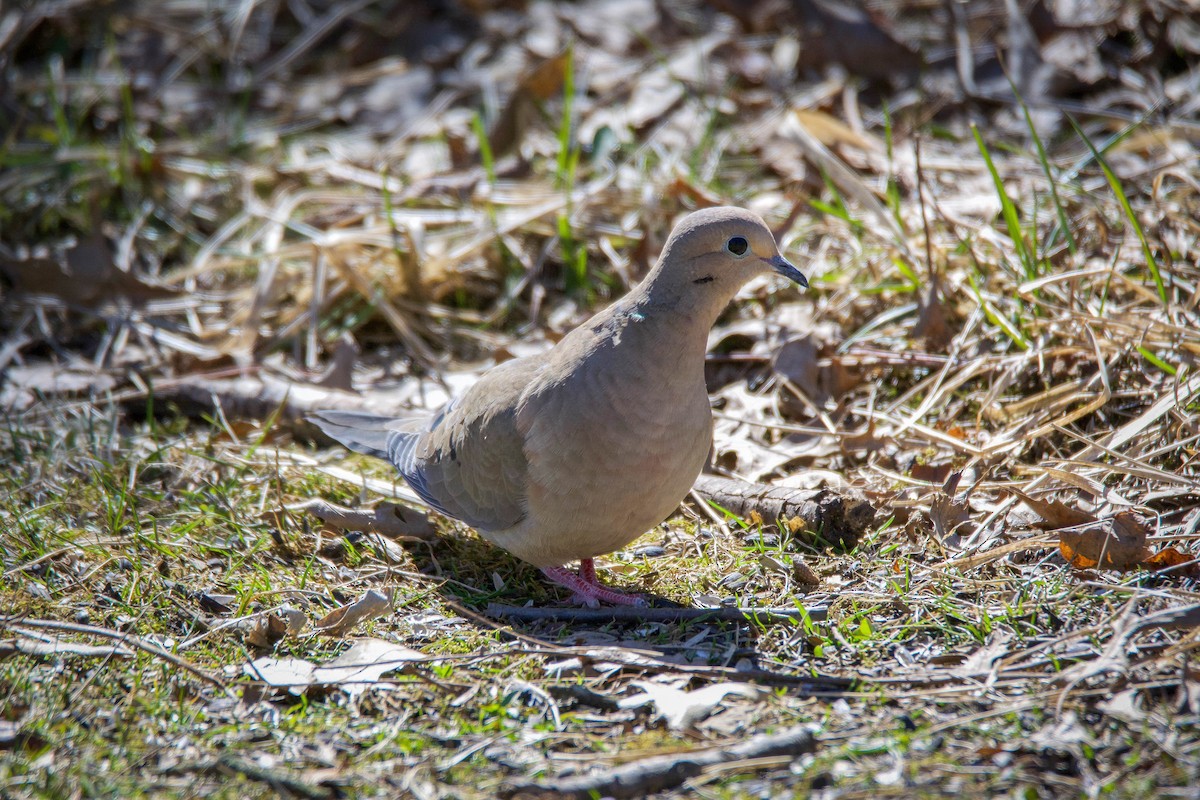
371, 434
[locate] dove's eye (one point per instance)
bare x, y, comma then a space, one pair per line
737, 245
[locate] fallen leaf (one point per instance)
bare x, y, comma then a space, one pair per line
266, 632
1124, 706
682, 709
1055, 513
932, 327
831, 131
980, 661
340, 373
353, 671
542, 82
949, 517
1170, 557
364, 664
1066, 731
1116, 543
86, 276
293, 674
12, 737
338, 622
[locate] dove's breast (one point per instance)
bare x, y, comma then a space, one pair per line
603, 472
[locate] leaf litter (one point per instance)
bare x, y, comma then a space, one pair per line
400, 197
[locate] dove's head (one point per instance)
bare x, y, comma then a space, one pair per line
713, 252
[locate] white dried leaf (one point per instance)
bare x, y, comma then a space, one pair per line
682, 709
293, 674
364, 664
353, 671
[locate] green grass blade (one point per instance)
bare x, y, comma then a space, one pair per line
485, 148
1118, 190
1156, 361
997, 319
1064, 224
1011, 221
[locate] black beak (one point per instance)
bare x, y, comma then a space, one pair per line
784, 267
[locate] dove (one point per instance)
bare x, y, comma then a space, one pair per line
575, 452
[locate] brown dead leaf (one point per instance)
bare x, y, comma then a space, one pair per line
932, 327
803, 573
266, 632
936, 472
1116, 543
542, 82
1055, 513
1170, 557
949, 517
87, 277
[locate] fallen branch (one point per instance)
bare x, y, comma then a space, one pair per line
595, 616
659, 773
839, 517
117, 636
259, 396
280, 781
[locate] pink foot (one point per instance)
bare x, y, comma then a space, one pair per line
587, 589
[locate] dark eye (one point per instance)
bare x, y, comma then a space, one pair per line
737, 245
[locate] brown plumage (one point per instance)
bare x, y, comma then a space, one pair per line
575, 452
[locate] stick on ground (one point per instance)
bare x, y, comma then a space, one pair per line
839, 517
659, 773
594, 616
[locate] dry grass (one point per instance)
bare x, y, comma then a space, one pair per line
998, 346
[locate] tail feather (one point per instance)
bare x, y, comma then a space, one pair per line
363, 432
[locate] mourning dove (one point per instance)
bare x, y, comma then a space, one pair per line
575, 452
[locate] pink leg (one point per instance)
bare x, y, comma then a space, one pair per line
586, 589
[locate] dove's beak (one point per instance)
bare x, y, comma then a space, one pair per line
784, 267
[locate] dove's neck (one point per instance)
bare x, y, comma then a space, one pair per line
670, 325
689, 309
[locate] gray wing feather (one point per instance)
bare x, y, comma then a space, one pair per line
472, 461
467, 462
362, 432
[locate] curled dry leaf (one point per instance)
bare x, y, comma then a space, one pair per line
1116, 543
268, 629
950, 518
1119, 542
338, 622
